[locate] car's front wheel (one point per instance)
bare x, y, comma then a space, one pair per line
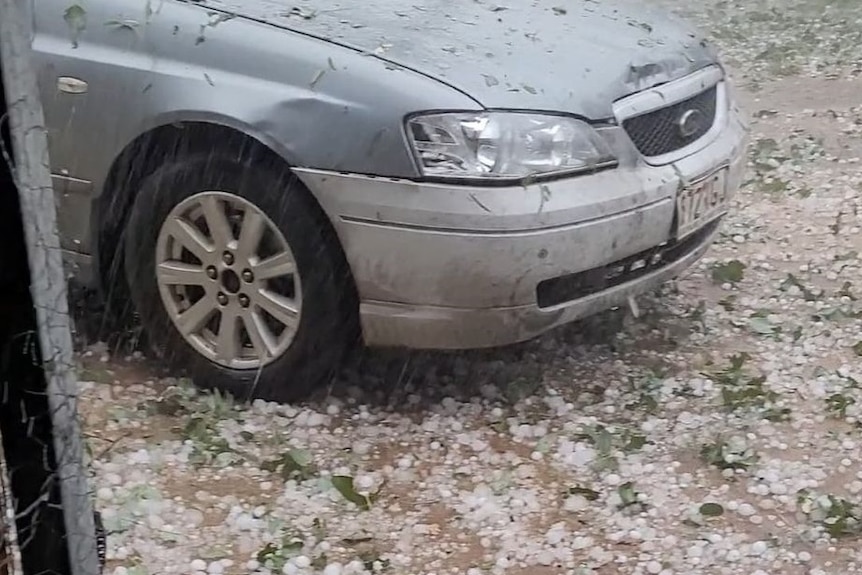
237, 278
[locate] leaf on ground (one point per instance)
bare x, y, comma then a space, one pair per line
711, 510
603, 440
628, 495
266, 553
357, 540
586, 493
793, 281
295, 464
761, 326
344, 485
635, 442
729, 272
858, 348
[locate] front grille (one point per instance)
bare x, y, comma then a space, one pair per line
556, 291
658, 132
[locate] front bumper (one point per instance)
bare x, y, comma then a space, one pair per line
453, 267
434, 327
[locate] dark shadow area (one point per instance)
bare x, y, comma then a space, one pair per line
94, 325
25, 422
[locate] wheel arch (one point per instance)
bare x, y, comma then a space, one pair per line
140, 157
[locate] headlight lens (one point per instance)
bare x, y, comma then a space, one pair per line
493, 145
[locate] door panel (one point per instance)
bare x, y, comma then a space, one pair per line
81, 52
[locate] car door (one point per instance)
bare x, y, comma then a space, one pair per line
89, 57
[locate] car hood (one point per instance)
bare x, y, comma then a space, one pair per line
558, 55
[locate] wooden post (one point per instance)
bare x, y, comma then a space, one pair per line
47, 290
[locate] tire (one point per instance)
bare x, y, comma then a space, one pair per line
326, 324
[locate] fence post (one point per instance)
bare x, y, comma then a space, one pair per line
47, 283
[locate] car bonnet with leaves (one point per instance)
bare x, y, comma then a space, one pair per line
280, 179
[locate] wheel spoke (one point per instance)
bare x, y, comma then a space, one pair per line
253, 226
281, 264
217, 222
175, 273
194, 318
227, 345
223, 249
190, 238
279, 307
259, 334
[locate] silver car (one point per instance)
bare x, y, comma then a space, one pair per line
271, 181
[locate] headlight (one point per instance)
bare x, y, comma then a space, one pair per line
505, 145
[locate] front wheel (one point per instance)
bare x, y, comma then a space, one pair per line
237, 277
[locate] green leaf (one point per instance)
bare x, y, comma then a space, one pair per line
544, 445
777, 414
586, 493
266, 553
635, 442
628, 495
792, 280
602, 439
344, 485
76, 18
837, 404
295, 464
730, 272
797, 333
775, 186
352, 541
300, 457
761, 326
711, 510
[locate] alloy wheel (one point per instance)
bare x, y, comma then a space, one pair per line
228, 280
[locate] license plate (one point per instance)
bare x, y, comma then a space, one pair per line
701, 203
